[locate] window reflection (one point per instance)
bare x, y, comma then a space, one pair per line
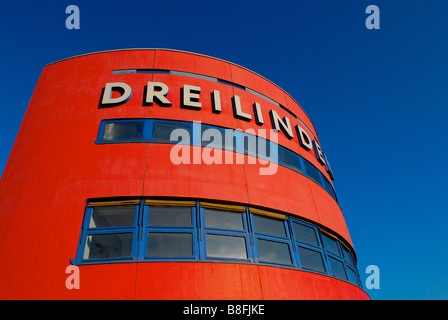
104, 246
223, 246
123, 130
272, 251
170, 244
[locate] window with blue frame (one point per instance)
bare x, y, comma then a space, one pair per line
225, 232
161, 131
308, 246
172, 230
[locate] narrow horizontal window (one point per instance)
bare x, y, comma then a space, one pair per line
167, 131
312, 172
162, 130
289, 159
224, 246
123, 131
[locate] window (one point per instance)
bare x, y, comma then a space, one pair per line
272, 240
312, 172
161, 131
123, 131
340, 258
289, 159
109, 232
308, 246
170, 230
225, 232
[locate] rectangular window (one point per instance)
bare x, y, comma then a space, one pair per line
165, 244
112, 216
270, 226
331, 245
305, 234
170, 216
109, 232
108, 246
337, 268
123, 131
225, 246
311, 259
170, 231
312, 172
273, 251
272, 239
162, 130
221, 219
289, 159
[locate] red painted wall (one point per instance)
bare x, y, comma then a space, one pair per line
55, 166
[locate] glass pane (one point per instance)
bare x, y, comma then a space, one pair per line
126, 130
104, 246
112, 216
170, 244
305, 234
312, 172
348, 256
270, 226
352, 277
271, 251
331, 245
311, 259
170, 216
214, 137
162, 130
289, 159
337, 268
223, 219
221, 246
329, 188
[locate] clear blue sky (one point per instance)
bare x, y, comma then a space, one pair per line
378, 99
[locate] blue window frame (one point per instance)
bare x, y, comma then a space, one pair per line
272, 240
225, 233
159, 131
171, 230
309, 247
110, 232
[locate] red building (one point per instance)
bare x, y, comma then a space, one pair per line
99, 178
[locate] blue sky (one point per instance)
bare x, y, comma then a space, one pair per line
378, 99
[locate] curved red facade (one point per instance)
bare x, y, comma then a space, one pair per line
58, 168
